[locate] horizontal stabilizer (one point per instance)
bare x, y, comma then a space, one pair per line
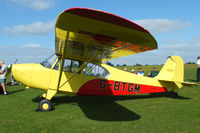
190, 84
172, 74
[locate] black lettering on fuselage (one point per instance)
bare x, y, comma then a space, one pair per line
137, 88
102, 84
130, 87
117, 85
124, 85
110, 84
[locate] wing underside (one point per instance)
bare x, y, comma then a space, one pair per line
86, 32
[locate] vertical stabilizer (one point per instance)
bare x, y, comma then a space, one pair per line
173, 70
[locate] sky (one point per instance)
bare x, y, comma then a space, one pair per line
27, 30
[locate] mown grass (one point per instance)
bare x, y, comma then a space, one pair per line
121, 114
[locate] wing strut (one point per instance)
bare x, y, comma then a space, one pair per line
80, 68
62, 60
120, 48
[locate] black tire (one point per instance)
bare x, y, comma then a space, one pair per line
45, 105
174, 94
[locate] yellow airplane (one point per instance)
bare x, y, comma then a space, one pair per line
84, 38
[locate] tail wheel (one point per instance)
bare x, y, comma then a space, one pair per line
45, 105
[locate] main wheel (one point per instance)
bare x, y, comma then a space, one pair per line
45, 105
175, 94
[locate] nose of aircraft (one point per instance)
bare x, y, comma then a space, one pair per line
22, 73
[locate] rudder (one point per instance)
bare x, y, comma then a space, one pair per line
173, 70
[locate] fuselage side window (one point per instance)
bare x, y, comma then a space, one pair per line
69, 65
96, 71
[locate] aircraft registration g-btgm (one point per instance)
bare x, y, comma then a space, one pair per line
84, 38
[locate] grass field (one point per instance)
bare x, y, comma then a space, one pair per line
103, 114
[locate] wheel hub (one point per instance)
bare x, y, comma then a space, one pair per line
45, 106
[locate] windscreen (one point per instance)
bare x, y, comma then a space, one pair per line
49, 61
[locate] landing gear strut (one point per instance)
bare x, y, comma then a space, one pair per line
45, 104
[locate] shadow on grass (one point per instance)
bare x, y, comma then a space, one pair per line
169, 94
105, 108
11, 92
16, 91
100, 108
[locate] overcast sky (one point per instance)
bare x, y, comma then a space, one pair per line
27, 27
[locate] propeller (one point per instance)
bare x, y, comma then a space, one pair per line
9, 68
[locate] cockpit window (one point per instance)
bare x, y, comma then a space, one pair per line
69, 65
49, 61
96, 71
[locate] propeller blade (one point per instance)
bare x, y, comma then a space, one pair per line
8, 70
15, 61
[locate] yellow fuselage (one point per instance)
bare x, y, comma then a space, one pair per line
119, 82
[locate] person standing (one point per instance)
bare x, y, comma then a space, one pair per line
153, 73
198, 69
133, 71
140, 72
2, 76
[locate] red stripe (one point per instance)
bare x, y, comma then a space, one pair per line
106, 17
109, 87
